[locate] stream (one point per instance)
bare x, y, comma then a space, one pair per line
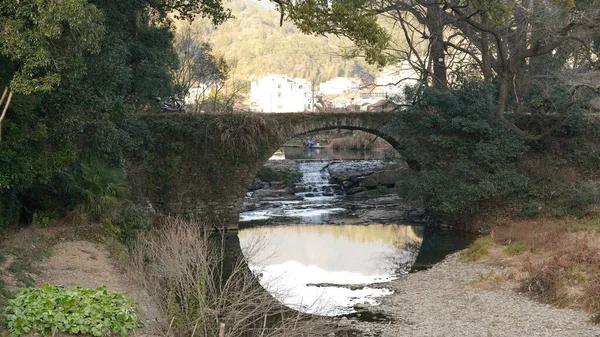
317, 251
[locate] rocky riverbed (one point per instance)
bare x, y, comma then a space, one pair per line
454, 298
366, 187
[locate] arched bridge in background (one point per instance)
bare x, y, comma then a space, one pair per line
201, 165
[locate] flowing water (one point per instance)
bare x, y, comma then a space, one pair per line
326, 269
320, 200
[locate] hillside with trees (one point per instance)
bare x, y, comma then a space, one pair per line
255, 44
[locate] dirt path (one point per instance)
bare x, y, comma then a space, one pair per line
88, 264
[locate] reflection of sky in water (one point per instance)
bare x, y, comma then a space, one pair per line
290, 257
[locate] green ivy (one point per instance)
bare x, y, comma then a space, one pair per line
79, 310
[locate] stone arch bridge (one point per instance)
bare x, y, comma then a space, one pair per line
200, 165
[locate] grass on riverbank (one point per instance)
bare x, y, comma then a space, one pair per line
358, 141
555, 260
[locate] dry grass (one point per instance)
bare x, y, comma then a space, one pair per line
359, 141
555, 260
247, 131
184, 270
488, 281
478, 249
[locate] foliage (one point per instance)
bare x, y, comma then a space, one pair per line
92, 67
256, 43
516, 248
391, 156
198, 64
197, 284
478, 249
78, 311
101, 187
350, 18
129, 222
286, 175
48, 41
461, 155
583, 225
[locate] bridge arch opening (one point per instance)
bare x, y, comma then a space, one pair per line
311, 213
202, 166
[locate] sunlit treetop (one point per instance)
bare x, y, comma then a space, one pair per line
190, 9
351, 18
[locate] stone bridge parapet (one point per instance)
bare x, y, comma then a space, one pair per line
200, 165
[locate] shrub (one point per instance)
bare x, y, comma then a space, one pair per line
100, 187
592, 300
516, 248
461, 154
78, 311
391, 156
131, 220
478, 249
575, 264
581, 197
197, 286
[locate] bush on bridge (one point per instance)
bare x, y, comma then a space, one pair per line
465, 156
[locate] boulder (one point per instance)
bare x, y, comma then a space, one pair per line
273, 193
349, 170
355, 190
386, 178
257, 184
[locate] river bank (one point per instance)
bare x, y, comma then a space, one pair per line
456, 298
453, 298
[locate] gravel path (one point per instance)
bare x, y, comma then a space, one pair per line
440, 302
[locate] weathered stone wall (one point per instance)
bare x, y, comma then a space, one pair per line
201, 165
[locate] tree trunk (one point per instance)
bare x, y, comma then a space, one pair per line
436, 31
10, 94
486, 61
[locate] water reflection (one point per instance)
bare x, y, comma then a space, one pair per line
326, 153
292, 260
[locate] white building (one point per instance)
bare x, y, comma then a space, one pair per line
197, 94
393, 79
338, 86
279, 93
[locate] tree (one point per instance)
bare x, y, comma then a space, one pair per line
81, 73
198, 66
530, 30
464, 156
497, 40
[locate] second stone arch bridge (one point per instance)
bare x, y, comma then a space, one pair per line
200, 165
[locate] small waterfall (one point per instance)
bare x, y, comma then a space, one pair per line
319, 199
315, 181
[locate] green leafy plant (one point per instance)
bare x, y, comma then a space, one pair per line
101, 187
79, 310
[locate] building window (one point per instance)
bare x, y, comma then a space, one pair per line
279, 106
299, 87
278, 94
279, 86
